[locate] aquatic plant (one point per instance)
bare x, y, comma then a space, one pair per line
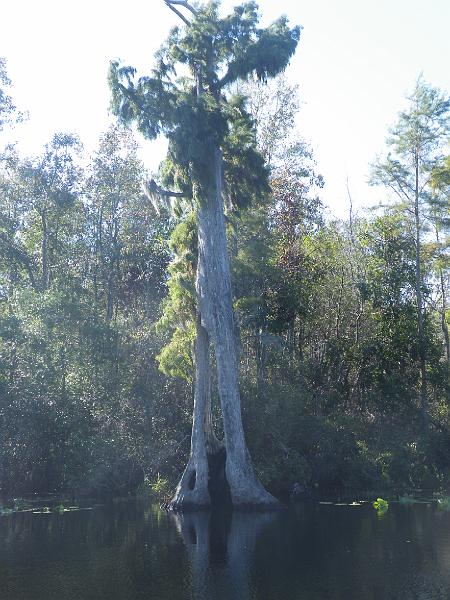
380, 505
21, 504
161, 488
443, 503
5, 510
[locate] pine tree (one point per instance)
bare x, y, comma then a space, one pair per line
417, 140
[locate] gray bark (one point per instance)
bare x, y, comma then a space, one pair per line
216, 320
216, 310
192, 491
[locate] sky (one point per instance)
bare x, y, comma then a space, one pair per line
355, 63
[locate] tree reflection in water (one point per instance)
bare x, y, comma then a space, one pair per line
221, 547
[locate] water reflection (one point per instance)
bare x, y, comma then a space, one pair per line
134, 551
221, 548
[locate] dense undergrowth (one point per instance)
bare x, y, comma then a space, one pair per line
97, 302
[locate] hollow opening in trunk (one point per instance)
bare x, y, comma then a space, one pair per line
192, 535
191, 482
219, 490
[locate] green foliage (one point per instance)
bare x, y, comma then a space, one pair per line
175, 359
158, 489
8, 112
97, 292
5, 510
380, 505
178, 309
161, 488
443, 503
196, 123
76, 344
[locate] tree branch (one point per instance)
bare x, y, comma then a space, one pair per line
177, 12
184, 3
170, 4
151, 188
397, 192
158, 197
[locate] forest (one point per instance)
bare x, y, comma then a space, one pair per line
342, 325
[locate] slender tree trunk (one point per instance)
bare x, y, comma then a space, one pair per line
44, 253
110, 297
192, 491
419, 302
261, 357
13, 348
215, 302
113, 273
443, 319
443, 309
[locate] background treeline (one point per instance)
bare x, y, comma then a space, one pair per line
343, 324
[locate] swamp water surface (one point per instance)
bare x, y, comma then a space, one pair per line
313, 551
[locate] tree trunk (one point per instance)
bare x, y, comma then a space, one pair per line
192, 491
216, 320
213, 444
419, 302
110, 297
443, 317
215, 303
261, 358
44, 254
443, 309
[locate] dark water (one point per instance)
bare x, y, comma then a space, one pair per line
134, 552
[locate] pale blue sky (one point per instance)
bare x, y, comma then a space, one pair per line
355, 62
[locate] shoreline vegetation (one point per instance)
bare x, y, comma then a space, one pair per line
337, 330
62, 504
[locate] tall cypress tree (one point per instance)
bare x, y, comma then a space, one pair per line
212, 160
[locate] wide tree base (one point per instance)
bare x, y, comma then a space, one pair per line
248, 494
192, 491
215, 491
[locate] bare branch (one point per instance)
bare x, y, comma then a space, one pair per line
391, 185
152, 188
177, 12
426, 182
170, 4
350, 199
184, 3
158, 197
